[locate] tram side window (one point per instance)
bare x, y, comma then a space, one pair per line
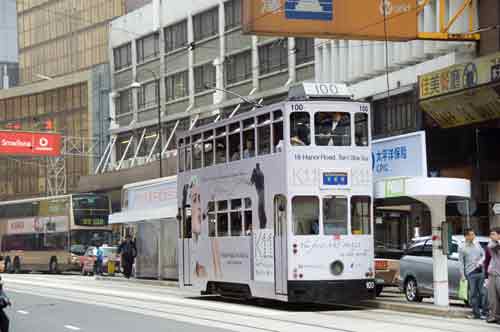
248, 217
360, 215
181, 155
221, 146
187, 154
187, 223
305, 214
212, 221
335, 215
208, 148
278, 135
361, 129
197, 151
332, 129
300, 129
234, 142
222, 219
248, 138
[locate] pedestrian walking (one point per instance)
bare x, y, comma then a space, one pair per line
471, 257
99, 258
4, 303
493, 283
128, 252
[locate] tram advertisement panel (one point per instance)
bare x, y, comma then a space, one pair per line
231, 220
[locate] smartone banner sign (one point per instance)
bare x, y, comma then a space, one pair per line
30, 143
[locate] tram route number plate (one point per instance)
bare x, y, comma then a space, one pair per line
335, 179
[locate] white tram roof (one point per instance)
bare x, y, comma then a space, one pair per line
148, 183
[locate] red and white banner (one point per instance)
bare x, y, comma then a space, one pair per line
30, 144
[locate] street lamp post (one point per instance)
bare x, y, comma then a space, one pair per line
137, 85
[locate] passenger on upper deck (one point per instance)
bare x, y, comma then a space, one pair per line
249, 151
300, 136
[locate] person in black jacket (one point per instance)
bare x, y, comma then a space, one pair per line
4, 303
128, 251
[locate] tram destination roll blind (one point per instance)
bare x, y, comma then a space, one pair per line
335, 179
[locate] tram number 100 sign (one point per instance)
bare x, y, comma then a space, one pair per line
327, 90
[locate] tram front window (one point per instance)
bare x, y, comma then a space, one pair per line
305, 214
335, 215
332, 129
300, 129
360, 215
361, 129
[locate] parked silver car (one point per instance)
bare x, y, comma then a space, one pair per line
416, 268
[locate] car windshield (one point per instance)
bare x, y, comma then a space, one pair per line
78, 249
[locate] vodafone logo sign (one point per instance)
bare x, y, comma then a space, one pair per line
30, 144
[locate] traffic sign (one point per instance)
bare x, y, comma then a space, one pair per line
496, 208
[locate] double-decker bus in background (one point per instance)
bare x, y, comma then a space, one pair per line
50, 233
276, 202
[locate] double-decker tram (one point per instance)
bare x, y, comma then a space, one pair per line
50, 233
276, 203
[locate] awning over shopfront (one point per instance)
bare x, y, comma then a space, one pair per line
142, 215
462, 94
422, 187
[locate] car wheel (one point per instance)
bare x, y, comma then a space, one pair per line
8, 265
378, 290
411, 291
16, 267
53, 268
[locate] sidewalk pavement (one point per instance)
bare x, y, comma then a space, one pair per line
391, 299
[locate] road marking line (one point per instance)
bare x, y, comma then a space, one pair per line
71, 327
22, 312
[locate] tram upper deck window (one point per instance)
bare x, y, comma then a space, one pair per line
361, 129
332, 129
221, 145
264, 134
181, 155
300, 129
187, 154
197, 151
234, 141
335, 215
305, 214
277, 131
360, 215
248, 138
208, 148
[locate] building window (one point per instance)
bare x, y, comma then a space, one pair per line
304, 50
232, 10
122, 56
238, 67
148, 47
176, 36
273, 56
204, 77
398, 116
177, 85
206, 24
124, 102
148, 95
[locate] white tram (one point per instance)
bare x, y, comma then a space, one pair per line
276, 203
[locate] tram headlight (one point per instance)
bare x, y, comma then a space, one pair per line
336, 268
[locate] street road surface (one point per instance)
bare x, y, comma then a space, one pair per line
75, 303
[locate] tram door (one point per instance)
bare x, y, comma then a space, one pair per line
186, 245
280, 245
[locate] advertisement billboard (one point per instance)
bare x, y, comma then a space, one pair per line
30, 143
353, 19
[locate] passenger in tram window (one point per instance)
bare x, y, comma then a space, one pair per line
315, 227
249, 151
300, 136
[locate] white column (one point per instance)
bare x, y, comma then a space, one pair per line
437, 207
333, 61
219, 63
255, 62
325, 57
190, 59
318, 63
219, 95
292, 63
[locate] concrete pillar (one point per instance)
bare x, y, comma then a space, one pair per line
437, 207
191, 51
255, 63
292, 63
